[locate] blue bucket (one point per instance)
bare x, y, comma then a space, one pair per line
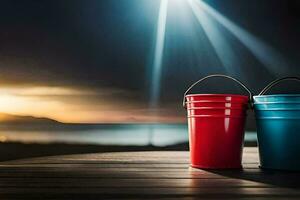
280, 98
278, 128
277, 106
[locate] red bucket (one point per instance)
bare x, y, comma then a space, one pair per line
214, 104
216, 133
204, 111
217, 97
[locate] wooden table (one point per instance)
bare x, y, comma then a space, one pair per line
140, 175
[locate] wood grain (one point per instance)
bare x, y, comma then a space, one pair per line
136, 175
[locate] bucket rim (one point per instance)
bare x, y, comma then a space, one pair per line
219, 95
278, 118
277, 102
278, 109
217, 116
216, 108
276, 95
218, 101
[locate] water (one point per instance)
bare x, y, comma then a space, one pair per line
125, 134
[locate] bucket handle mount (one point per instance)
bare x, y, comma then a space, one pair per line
212, 76
276, 82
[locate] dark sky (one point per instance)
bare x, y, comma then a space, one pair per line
75, 42
108, 44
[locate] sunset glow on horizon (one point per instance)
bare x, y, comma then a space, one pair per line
70, 105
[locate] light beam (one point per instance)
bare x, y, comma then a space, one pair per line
158, 54
269, 57
221, 46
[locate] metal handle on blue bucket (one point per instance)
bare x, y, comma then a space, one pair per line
212, 76
276, 82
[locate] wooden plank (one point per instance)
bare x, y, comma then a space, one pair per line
115, 173
274, 179
92, 196
97, 165
106, 168
89, 174
122, 166
246, 192
140, 175
136, 197
173, 157
121, 157
128, 183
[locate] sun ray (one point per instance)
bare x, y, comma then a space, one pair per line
269, 57
158, 54
221, 46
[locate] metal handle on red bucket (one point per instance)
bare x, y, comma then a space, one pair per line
276, 82
212, 76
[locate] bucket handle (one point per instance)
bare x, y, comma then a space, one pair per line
276, 82
212, 76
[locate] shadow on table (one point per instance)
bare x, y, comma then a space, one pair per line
288, 179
